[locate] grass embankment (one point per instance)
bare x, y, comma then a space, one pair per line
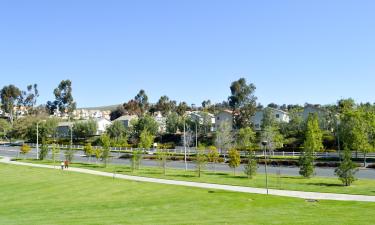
41, 196
315, 184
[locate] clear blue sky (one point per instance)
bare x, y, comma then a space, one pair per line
293, 51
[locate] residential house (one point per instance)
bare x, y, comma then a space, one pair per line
224, 116
102, 124
162, 122
126, 119
279, 115
204, 118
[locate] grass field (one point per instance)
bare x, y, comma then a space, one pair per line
316, 184
44, 196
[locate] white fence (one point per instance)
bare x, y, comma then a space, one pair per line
192, 151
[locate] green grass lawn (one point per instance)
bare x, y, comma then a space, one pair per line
316, 184
42, 196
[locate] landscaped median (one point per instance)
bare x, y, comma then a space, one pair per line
282, 182
41, 196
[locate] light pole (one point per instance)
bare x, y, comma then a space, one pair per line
264, 143
338, 135
37, 138
185, 145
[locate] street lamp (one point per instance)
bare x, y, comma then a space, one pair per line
338, 135
264, 143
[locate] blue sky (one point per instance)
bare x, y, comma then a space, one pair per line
293, 51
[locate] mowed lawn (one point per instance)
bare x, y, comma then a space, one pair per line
44, 196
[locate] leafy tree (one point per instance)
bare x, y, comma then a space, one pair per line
146, 139
224, 137
64, 101
182, 108
89, 151
25, 149
10, 97
201, 160
55, 153
242, 102
43, 151
117, 113
246, 138
173, 122
206, 104
273, 137
213, 156
162, 156
5, 127
117, 130
105, 141
142, 100
98, 154
27, 128
146, 123
251, 166
313, 143
347, 169
268, 119
84, 129
234, 159
69, 154
29, 97
136, 159
165, 106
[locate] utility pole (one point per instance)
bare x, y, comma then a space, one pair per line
185, 144
264, 143
37, 140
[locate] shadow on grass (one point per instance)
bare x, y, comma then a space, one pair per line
326, 184
182, 175
218, 174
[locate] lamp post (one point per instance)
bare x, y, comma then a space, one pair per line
264, 143
338, 135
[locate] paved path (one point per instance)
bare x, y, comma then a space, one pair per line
285, 193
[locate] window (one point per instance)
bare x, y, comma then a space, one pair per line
277, 115
257, 126
218, 118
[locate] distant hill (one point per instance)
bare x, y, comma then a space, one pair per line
101, 108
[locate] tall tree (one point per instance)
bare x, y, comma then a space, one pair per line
10, 98
234, 159
347, 169
224, 136
182, 108
165, 105
242, 102
142, 100
106, 153
64, 101
246, 138
312, 144
117, 130
30, 96
173, 122
84, 129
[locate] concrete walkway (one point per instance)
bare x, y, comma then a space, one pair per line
284, 193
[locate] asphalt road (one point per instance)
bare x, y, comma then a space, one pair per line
79, 157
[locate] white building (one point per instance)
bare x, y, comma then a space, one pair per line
203, 118
162, 122
279, 115
102, 124
224, 116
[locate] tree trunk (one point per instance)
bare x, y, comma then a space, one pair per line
365, 159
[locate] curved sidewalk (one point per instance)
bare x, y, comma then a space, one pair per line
284, 193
